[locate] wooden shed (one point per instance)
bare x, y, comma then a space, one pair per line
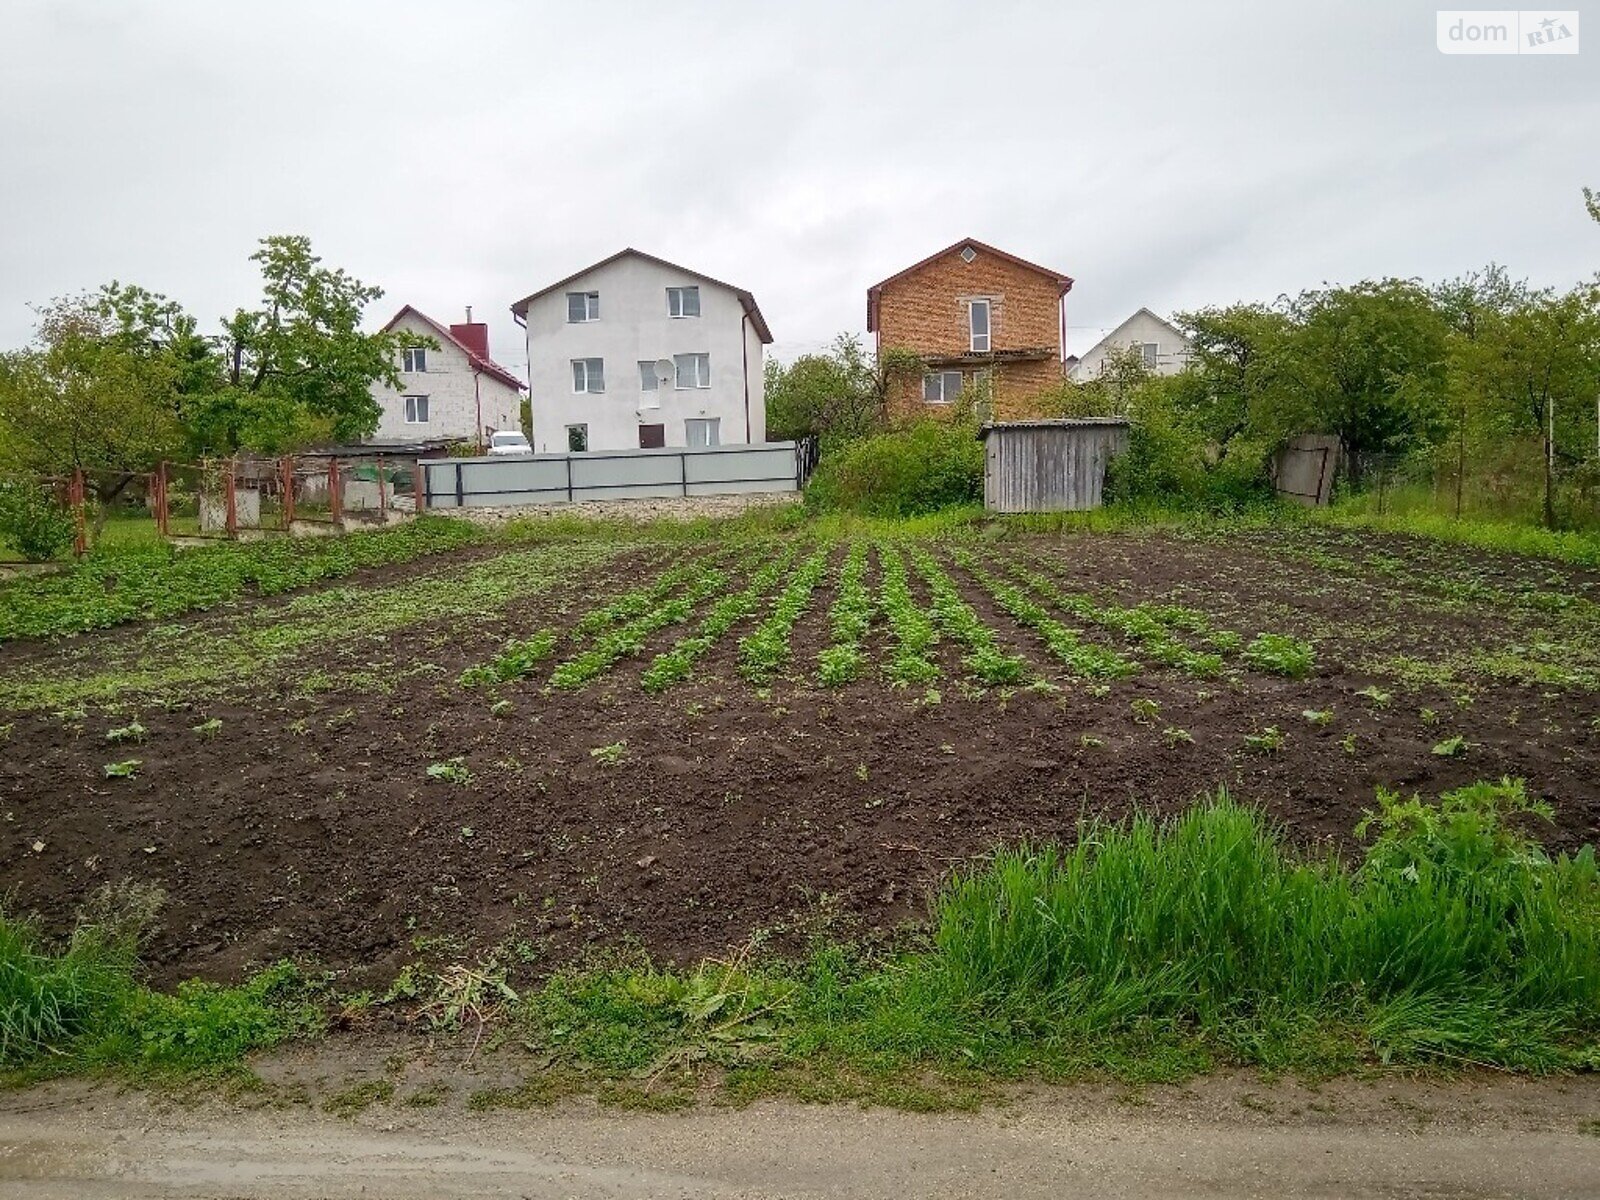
1049, 466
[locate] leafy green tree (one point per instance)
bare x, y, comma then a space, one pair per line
837, 396
1235, 361
1366, 363
93, 392
1537, 364
298, 368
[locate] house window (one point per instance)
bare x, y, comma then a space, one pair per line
694, 370
941, 387
652, 437
683, 302
1149, 349
588, 374
700, 431
416, 410
582, 306
647, 376
577, 439
968, 254
978, 323
414, 359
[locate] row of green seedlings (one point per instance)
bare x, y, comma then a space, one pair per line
1143, 625
1151, 626
913, 631
629, 640
1082, 659
766, 648
520, 656
677, 664
849, 620
983, 658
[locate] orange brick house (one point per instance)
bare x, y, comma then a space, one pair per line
972, 312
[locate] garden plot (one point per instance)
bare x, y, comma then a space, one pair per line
593, 743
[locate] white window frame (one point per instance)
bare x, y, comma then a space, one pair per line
945, 395
1151, 352
414, 360
591, 307
584, 426
585, 373
414, 405
712, 426
988, 325
675, 297
702, 379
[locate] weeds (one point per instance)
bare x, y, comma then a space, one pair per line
452, 770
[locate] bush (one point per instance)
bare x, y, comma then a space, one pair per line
1170, 463
31, 522
927, 466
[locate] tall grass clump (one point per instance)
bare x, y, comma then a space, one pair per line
49, 999
1454, 937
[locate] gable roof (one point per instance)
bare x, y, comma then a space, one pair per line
487, 365
520, 308
1062, 281
1141, 311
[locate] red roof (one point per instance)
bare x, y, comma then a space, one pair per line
480, 362
520, 308
1062, 281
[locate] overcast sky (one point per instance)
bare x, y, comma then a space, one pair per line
1163, 154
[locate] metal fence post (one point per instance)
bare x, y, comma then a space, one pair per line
286, 469
383, 500
228, 484
419, 487
335, 493
80, 540
163, 519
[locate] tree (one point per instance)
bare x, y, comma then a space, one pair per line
837, 396
1538, 364
1235, 359
298, 368
94, 392
1366, 363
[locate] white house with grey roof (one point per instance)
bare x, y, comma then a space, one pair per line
1165, 349
637, 352
449, 391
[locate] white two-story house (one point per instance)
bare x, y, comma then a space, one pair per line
450, 391
636, 352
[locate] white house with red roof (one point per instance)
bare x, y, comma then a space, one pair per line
452, 390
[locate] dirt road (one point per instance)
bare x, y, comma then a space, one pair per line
1223, 1137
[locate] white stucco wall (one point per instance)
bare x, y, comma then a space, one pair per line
1172, 348
634, 327
452, 408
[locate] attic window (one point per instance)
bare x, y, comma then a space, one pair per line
968, 254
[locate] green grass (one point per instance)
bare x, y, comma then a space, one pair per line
80, 1007
1581, 549
1148, 950
142, 581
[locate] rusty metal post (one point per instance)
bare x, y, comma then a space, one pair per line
228, 485
163, 517
383, 502
80, 538
419, 477
286, 469
335, 493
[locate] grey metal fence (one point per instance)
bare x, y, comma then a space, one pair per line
610, 475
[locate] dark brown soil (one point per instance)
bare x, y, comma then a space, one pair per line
310, 828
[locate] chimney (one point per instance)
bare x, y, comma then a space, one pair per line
474, 335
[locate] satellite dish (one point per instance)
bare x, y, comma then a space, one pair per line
664, 371
664, 374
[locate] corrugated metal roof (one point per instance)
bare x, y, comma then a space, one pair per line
1052, 423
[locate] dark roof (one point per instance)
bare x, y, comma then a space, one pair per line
1062, 281
486, 365
1055, 423
745, 298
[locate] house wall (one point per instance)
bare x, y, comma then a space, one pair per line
448, 384
927, 312
634, 327
1172, 348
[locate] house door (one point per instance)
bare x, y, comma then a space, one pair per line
652, 437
